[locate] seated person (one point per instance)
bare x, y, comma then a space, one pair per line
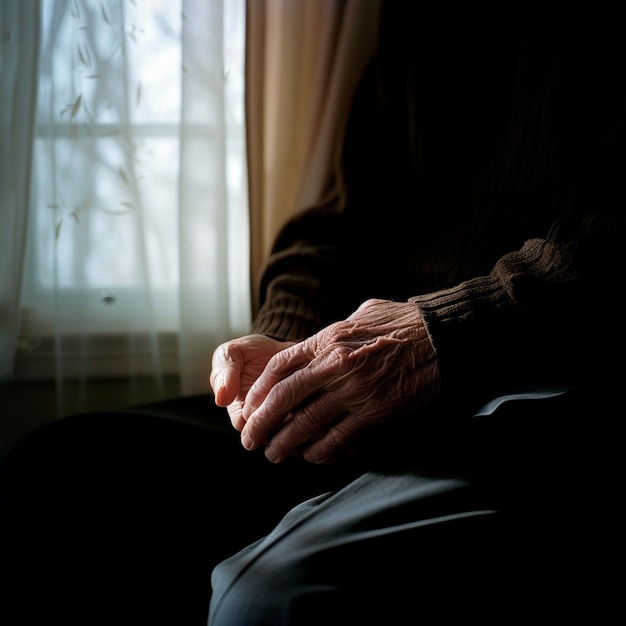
421, 418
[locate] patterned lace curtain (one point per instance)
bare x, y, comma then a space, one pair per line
137, 251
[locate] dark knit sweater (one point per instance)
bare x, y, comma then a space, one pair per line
483, 179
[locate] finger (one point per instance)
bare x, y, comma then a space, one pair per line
281, 399
337, 440
234, 413
306, 425
277, 371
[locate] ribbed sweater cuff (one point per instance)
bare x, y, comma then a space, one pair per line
470, 328
462, 302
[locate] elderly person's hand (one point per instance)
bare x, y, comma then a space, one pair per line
236, 366
316, 396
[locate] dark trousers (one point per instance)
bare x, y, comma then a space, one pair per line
510, 515
119, 517
122, 517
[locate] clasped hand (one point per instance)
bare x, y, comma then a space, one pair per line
313, 398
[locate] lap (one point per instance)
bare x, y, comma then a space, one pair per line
491, 513
363, 552
119, 517
134, 508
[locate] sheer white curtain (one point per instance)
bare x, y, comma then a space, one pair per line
138, 240
19, 26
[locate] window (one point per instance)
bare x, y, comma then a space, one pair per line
106, 164
117, 88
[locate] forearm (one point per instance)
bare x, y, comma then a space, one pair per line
541, 314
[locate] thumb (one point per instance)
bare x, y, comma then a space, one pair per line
224, 378
227, 386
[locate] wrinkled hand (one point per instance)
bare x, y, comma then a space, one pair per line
316, 396
236, 365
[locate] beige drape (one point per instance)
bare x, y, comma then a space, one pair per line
303, 60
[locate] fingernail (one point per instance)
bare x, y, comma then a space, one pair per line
310, 458
270, 454
246, 442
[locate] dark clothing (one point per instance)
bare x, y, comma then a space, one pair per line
119, 517
507, 517
482, 178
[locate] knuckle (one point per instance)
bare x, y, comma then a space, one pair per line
340, 333
281, 398
305, 421
333, 442
343, 431
213, 377
277, 362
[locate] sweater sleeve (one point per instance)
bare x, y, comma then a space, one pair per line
309, 279
482, 178
548, 312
